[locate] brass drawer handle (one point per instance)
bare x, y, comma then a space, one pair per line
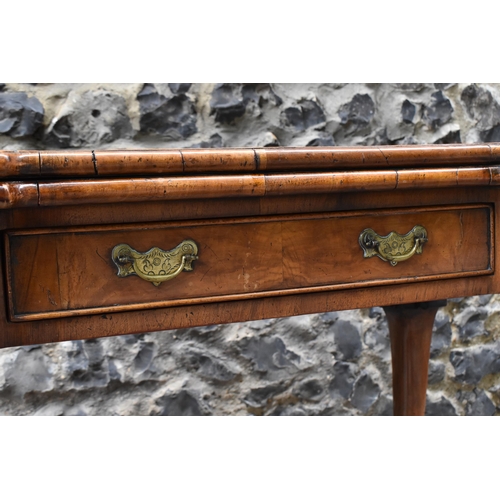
394, 247
155, 265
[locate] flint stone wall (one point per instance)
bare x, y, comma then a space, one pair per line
336, 363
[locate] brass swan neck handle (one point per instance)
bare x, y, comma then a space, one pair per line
394, 247
155, 265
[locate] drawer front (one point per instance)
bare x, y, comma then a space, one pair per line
68, 272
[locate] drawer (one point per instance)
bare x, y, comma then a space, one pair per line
71, 271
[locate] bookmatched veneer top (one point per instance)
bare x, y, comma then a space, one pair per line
127, 163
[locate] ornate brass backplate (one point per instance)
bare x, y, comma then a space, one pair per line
394, 247
155, 265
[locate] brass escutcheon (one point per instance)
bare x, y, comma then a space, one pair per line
155, 265
394, 247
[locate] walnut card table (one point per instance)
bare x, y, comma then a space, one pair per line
98, 243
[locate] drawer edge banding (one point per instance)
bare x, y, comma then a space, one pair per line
244, 296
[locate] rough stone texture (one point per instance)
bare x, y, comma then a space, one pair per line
481, 106
441, 337
342, 379
307, 114
365, 392
20, 115
227, 103
440, 407
347, 340
170, 116
89, 118
471, 364
335, 363
438, 111
357, 113
436, 372
477, 402
178, 404
408, 111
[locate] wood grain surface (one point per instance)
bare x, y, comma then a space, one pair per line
201, 209
187, 316
134, 190
190, 315
60, 273
174, 161
410, 327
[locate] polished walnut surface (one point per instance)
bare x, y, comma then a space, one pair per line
277, 233
43, 164
277, 229
94, 177
67, 272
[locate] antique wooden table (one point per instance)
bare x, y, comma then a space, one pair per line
99, 243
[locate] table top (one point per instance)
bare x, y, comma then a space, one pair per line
95, 163
54, 178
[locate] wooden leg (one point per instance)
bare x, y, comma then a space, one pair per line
410, 328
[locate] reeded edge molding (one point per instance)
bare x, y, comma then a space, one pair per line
89, 191
95, 163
